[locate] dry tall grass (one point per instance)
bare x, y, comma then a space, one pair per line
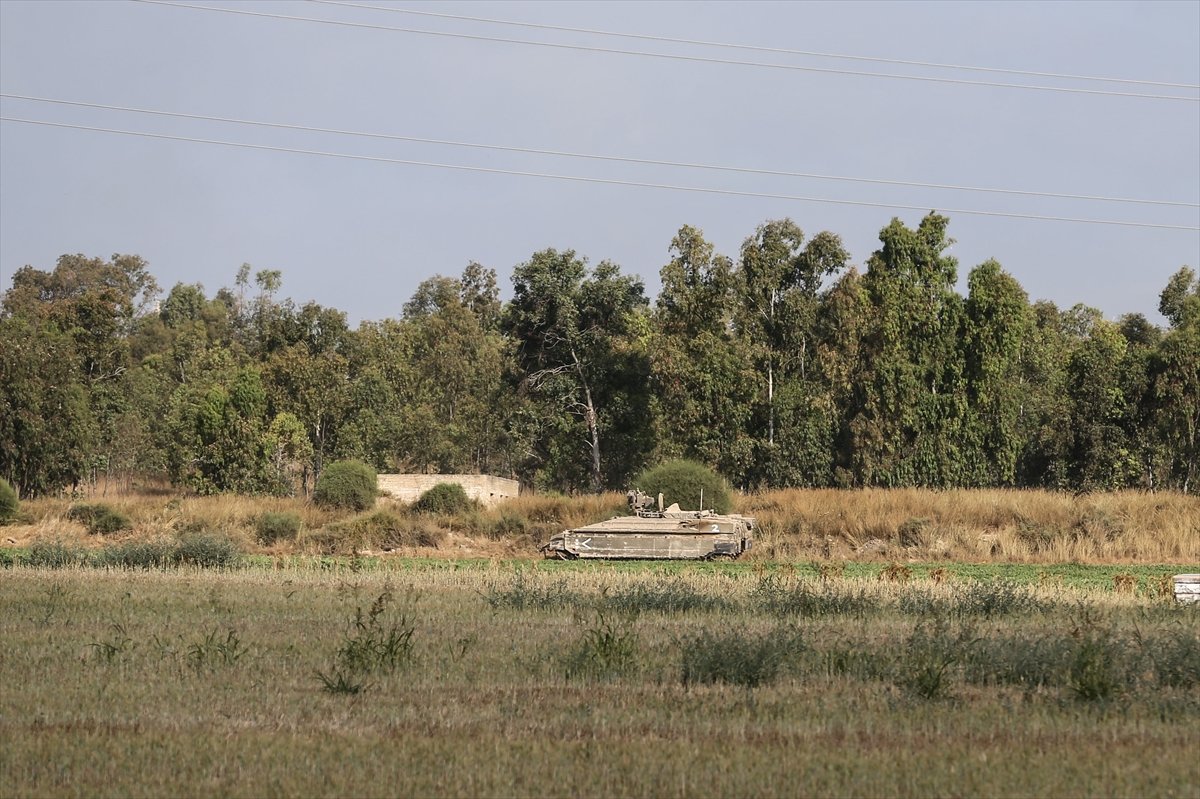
977, 525
794, 525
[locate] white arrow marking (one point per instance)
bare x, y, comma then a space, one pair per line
584, 543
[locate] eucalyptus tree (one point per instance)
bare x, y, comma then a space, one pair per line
571, 329
778, 283
1177, 379
907, 420
998, 331
703, 376
454, 414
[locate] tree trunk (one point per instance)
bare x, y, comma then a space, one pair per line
589, 415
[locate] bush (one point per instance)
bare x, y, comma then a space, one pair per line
8, 502
383, 529
206, 550
54, 555
272, 527
98, 518
682, 481
347, 484
445, 498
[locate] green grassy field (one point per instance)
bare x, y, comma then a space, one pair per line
486, 678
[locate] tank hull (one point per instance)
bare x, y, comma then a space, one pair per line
647, 545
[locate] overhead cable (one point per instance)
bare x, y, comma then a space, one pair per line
601, 181
596, 157
755, 48
670, 56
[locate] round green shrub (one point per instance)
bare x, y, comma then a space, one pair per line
206, 550
9, 504
445, 498
682, 481
271, 527
347, 484
98, 518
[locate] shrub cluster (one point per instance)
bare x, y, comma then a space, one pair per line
683, 481
350, 485
98, 518
205, 550
271, 527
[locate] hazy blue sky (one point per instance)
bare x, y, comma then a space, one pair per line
359, 235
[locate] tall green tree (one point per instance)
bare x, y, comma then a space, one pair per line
907, 419
703, 376
570, 327
1177, 378
998, 329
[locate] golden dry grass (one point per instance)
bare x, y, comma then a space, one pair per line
794, 525
977, 525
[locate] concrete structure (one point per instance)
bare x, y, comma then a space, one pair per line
483, 488
1187, 587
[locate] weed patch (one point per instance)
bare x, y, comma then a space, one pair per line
737, 658
607, 648
809, 600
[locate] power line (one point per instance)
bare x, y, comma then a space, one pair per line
670, 56
597, 157
601, 181
755, 48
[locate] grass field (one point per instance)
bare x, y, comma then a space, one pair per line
339, 677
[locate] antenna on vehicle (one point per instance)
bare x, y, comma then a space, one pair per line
660, 502
702, 500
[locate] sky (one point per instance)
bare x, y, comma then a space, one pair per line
360, 235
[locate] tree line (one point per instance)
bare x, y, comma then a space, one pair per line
782, 367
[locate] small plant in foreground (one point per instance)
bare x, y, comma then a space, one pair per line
665, 596
896, 573
1095, 672
809, 600
607, 648
154, 554
372, 646
339, 681
118, 644
737, 658
351, 485
271, 527
1124, 583
212, 651
524, 594
925, 666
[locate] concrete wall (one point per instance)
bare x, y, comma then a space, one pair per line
482, 488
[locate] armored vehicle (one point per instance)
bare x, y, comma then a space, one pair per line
655, 533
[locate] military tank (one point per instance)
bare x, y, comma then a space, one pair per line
652, 532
